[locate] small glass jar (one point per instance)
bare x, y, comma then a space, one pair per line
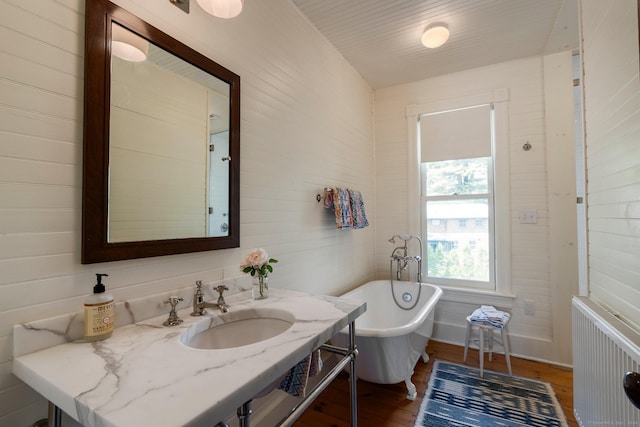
260, 288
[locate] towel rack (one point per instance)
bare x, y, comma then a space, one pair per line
319, 196
349, 358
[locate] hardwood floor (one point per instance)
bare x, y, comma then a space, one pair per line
386, 406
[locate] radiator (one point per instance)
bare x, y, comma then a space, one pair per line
604, 349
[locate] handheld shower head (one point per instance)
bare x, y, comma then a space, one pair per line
403, 237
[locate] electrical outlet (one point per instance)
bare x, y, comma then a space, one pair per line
529, 307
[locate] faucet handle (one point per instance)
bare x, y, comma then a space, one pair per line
173, 300
173, 319
221, 302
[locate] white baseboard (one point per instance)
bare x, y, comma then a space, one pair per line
524, 347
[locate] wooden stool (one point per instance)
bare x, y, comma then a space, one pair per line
485, 327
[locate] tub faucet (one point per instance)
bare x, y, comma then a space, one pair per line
200, 305
402, 261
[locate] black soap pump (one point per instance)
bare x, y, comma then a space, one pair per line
98, 312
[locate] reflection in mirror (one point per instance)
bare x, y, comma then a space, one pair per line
169, 134
128, 45
161, 155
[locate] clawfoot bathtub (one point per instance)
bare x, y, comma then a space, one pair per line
390, 340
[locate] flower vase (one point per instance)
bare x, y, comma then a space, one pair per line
260, 288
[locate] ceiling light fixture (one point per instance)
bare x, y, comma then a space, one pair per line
435, 35
127, 45
221, 8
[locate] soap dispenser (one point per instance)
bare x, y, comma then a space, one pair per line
98, 312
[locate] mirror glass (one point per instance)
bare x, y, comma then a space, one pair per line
161, 143
168, 146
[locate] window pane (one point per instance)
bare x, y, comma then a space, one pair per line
463, 176
458, 239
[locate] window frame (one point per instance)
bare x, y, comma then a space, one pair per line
502, 293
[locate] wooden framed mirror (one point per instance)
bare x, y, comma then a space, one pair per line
161, 160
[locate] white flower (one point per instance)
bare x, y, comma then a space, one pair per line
257, 261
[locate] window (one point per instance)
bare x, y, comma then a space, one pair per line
457, 190
458, 252
462, 144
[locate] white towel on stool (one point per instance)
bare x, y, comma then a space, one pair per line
489, 314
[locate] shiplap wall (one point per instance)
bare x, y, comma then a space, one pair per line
307, 122
532, 274
612, 124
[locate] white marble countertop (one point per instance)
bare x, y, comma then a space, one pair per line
144, 375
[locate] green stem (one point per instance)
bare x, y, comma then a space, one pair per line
262, 284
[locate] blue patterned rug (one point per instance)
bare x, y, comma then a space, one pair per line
457, 396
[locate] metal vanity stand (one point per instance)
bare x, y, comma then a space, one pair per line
350, 353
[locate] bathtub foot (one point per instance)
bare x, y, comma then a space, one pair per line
425, 357
411, 389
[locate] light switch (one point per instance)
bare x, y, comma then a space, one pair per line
528, 216
529, 307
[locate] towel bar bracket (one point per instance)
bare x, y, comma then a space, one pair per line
319, 196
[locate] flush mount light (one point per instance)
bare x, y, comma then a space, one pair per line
221, 8
435, 35
127, 45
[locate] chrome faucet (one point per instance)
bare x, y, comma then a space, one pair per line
402, 261
173, 319
200, 305
221, 303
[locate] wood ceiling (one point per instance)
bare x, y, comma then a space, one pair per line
381, 38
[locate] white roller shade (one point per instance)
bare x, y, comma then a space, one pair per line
456, 134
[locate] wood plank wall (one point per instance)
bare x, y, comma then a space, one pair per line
612, 124
532, 275
306, 123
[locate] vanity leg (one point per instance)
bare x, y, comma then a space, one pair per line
352, 375
244, 414
55, 416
